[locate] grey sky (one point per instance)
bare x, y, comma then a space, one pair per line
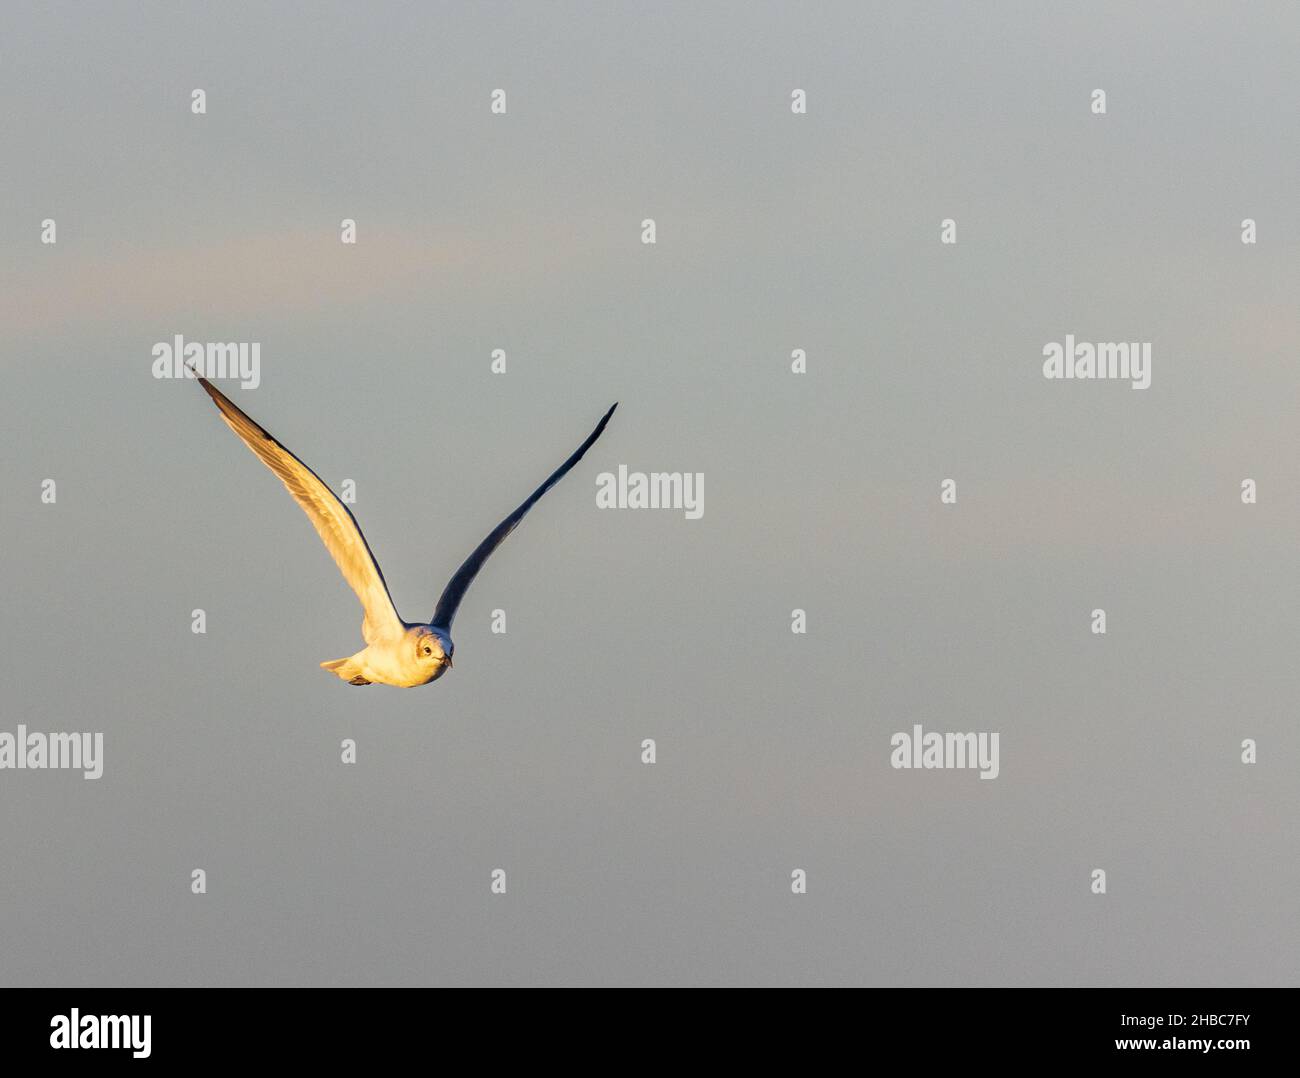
775, 232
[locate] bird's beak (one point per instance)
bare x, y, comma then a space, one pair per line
449, 662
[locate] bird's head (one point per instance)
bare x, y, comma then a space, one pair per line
433, 648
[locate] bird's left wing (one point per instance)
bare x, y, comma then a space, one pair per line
333, 520
456, 587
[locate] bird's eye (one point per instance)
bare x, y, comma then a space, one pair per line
428, 651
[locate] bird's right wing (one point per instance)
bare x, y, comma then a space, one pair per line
456, 587
333, 520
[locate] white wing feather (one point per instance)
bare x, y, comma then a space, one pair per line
333, 521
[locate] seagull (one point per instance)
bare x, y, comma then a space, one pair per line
397, 652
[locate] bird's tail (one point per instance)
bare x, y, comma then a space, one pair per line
348, 669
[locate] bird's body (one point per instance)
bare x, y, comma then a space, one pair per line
397, 652
401, 661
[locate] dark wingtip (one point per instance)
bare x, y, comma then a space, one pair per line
207, 386
600, 427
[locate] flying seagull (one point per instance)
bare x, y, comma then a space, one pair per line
397, 652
